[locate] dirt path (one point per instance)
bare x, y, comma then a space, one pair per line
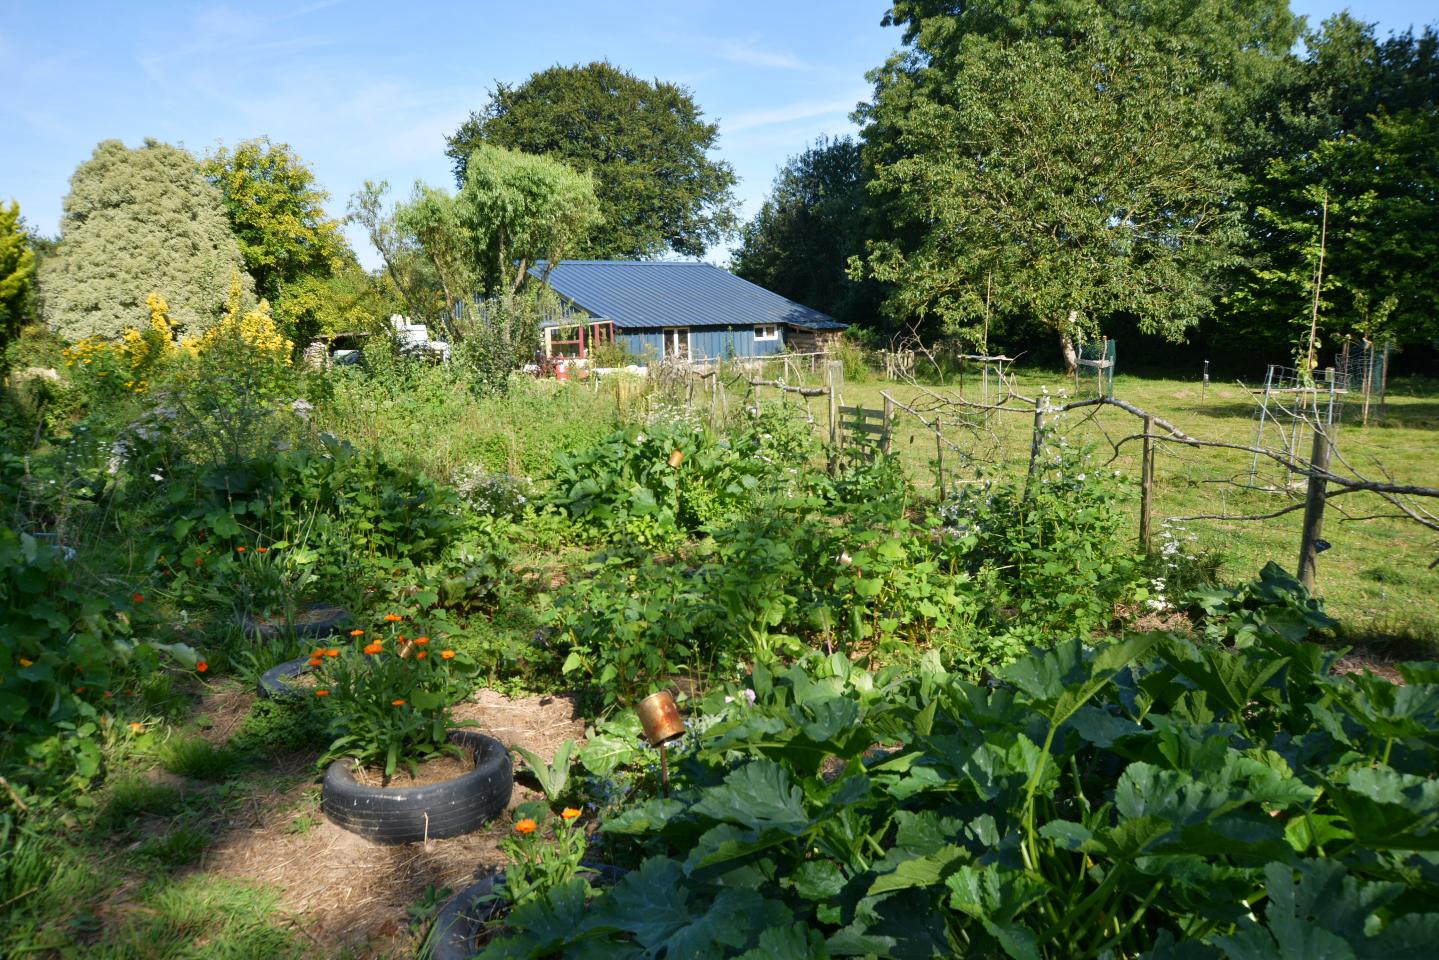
344, 892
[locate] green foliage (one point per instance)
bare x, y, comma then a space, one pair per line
138, 222
813, 221
552, 777
1091, 182
390, 701
65, 646
190, 755
645, 143
276, 212
1050, 551
280, 725
523, 209
625, 488
1274, 607
1120, 799
543, 855
17, 272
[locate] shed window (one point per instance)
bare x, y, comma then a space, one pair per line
769, 331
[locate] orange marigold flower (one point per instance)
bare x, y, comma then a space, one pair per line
357, 632
570, 813
421, 655
332, 652
422, 640
314, 661
137, 597
137, 726
24, 662
397, 703
373, 648
201, 667
448, 654
322, 692
526, 826
262, 549
239, 549
393, 618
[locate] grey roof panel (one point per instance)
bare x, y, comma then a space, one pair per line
644, 294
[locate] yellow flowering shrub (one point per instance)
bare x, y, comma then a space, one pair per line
247, 340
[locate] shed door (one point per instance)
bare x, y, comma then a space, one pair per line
677, 343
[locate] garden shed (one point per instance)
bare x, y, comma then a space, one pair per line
689, 310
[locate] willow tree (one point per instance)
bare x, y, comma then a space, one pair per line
140, 221
1058, 182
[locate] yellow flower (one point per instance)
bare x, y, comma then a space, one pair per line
570, 813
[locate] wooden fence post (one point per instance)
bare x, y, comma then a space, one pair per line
1146, 485
1309, 546
833, 375
1037, 439
886, 438
939, 459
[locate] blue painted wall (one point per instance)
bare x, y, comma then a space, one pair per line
708, 342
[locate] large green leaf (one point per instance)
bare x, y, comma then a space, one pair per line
758, 794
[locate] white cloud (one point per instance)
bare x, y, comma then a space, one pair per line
746, 52
791, 112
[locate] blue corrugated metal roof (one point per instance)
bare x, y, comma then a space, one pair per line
643, 294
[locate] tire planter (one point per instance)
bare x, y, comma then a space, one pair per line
433, 811
459, 922
311, 622
274, 683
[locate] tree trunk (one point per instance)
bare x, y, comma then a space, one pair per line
1066, 345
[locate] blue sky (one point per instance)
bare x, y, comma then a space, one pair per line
368, 90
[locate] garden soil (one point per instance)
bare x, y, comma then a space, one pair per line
339, 891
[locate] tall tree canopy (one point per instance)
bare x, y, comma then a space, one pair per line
513, 210
800, 241
140, 221
276, 211
646, 143
1359, 134
17, 271
1064, 181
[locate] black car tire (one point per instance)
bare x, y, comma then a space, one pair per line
433, 811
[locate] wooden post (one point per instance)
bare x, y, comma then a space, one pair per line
939, 460
1314, 507
1146, 486
833, 374
886, 439
1036, 439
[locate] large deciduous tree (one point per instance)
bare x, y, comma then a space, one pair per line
140, 221
276, 211
17, 271
1359, 148
800, 241
646, 143
1061, 180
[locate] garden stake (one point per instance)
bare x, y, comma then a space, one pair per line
661, 721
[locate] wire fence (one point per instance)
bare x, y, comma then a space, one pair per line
950, 440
